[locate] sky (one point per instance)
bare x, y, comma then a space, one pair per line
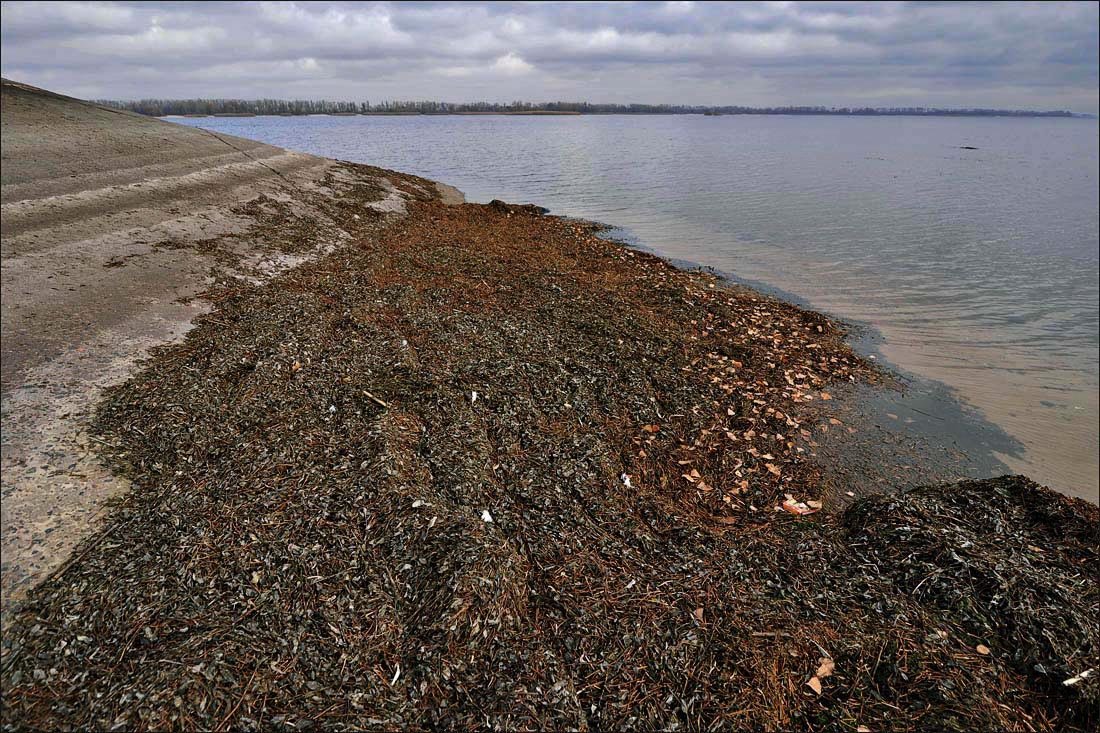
1013, 55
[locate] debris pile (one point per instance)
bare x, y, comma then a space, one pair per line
482, 468
1014, 564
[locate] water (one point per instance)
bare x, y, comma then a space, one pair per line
978, 267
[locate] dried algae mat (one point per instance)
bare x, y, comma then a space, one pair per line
484, 469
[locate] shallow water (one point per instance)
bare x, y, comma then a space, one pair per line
978, 267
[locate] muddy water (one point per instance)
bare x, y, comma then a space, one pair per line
979, 268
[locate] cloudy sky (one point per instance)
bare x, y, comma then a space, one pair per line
1016, 55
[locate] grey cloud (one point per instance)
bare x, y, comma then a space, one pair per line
1037, 55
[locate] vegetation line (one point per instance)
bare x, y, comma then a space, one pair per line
241, 107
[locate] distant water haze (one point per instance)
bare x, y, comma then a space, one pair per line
979, 267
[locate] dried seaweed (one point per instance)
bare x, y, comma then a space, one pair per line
481, 468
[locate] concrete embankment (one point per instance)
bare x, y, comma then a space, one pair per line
112, 224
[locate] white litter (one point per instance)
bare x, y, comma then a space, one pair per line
1077, 679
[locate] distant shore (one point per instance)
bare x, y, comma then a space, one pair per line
554, 113
550, 112
242, 107
373, 114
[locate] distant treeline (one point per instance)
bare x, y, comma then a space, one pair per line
162, 107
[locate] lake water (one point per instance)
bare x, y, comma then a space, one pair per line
979, 268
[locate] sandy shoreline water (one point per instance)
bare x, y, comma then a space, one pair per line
431, 464
907, 431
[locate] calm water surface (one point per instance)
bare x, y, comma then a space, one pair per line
978, 267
